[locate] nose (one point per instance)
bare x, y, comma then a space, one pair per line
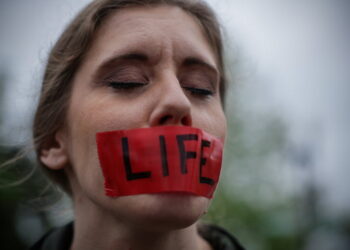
172, 105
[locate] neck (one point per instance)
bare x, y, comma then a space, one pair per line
96, 229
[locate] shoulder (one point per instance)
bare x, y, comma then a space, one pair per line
219, 238
56, 239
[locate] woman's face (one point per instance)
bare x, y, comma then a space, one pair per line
147, 67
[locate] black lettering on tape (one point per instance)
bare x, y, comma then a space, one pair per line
163, 154
184, 155
126, 157
203, 161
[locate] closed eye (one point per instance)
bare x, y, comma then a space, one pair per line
199, 91
126, 85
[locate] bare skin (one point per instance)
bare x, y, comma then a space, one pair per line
147, 67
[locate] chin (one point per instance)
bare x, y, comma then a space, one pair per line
164, 211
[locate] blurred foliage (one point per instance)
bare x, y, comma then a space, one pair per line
249, 201
24, 193
9, 199
258, 200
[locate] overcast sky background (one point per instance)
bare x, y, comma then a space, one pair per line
297, 51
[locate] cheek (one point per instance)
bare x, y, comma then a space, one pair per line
101, 112
83, 151
212, 120
89, 115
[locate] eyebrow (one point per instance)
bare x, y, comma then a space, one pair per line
196, 61
133, 56
111, 61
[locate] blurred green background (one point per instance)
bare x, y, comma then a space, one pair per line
284, 183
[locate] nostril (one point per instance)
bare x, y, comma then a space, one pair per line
186, 120
164, 120
169, 119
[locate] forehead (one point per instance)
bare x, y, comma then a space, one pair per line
154, 30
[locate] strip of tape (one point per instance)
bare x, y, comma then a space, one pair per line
159, 159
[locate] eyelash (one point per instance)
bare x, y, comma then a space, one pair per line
199, 92
125, 85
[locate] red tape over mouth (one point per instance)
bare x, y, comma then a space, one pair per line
159, 159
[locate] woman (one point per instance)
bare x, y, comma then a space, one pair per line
123, 65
